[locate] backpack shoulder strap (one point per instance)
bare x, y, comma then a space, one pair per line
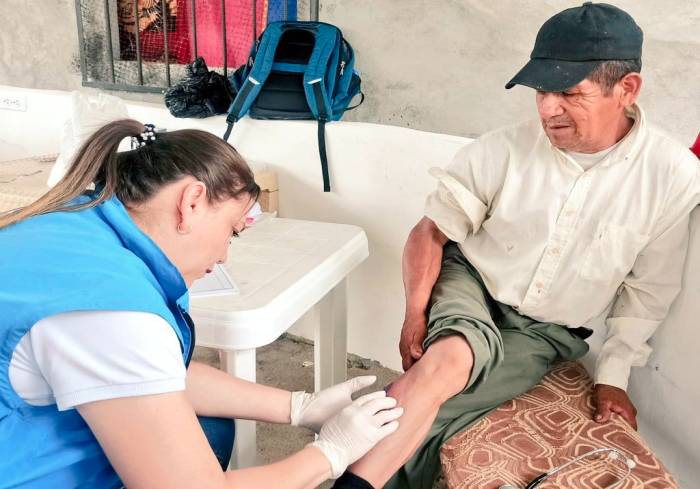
316, 81
257, 76
315, 76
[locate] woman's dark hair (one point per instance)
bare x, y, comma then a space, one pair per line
135, 176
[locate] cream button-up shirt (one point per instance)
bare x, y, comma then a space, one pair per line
560, 243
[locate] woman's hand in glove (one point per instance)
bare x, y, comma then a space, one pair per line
354, 431
313, 410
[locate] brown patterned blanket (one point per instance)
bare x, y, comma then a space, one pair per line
545, 428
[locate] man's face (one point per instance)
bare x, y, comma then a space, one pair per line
581, 119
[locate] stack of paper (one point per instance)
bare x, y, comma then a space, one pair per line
218, 282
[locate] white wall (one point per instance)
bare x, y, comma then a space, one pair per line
442, 65
379, 179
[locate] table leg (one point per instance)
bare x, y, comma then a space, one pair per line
241, 364
330, 338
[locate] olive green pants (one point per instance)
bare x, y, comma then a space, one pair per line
511, 355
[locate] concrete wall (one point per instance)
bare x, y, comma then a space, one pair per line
376, 175
441, 65
431, 65
39, 44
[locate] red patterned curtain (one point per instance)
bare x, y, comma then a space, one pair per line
240, 30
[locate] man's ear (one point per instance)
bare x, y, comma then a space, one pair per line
192, 201
630, 85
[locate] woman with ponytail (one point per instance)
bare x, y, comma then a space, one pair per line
96, 384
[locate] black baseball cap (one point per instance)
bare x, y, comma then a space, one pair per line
573, 42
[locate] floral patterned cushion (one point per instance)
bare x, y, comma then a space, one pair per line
544, 428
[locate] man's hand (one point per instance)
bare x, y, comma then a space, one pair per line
413, 333
608, 399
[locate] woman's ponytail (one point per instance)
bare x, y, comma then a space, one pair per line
135, 176
95, 162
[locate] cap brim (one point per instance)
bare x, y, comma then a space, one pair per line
552, 75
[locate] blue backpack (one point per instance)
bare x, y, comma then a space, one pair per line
297, 70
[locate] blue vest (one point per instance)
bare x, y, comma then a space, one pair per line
91, 260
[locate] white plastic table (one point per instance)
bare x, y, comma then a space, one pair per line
284, 268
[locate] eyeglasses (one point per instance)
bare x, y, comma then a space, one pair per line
613, 454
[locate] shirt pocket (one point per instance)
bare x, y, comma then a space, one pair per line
612, 253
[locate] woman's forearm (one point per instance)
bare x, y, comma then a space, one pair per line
307, 468
215, 393
158, 442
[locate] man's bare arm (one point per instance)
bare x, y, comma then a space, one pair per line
422, 259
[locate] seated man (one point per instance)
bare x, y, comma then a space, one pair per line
533, 231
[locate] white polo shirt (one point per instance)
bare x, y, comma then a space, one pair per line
79, 357
559, 242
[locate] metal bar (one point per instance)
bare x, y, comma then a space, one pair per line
165, 42
138, 41
194, 26
81, 42
109, 41
255, 21
223, 32
313, 7
285, 12
123, 87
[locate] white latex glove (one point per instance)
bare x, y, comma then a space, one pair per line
312, 410
354, 431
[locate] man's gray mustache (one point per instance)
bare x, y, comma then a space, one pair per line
553, 123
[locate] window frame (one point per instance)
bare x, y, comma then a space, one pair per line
150, 69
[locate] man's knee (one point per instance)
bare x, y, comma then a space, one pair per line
448, 362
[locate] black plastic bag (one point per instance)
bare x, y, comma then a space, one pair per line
202, 93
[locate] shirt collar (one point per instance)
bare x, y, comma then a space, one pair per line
630, 143
136, 241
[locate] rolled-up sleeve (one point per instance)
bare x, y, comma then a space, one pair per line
459, 204
648, 291
453, 208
